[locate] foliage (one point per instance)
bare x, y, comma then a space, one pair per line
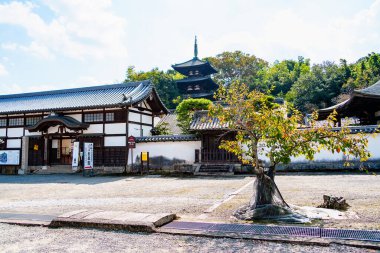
185, 111
256, 121
239, 66
161, 129
164, 82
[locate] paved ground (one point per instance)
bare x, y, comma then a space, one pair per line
187, 197
39, 239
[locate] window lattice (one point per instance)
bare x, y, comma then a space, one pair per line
32, 120
16, 122
93, 117
3, 122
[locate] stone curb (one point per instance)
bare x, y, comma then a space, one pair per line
113, 220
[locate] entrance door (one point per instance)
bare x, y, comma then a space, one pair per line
60, 151
211, 152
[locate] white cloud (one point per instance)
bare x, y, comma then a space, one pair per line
289, 33
81, 29
3, 70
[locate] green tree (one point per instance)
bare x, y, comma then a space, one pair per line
185, 111
164, 82
239, 66
281, 76
258, 122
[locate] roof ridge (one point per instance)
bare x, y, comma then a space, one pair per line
72, 90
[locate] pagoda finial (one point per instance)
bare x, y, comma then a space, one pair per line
195, 48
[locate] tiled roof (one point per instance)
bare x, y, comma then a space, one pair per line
171, 120
161, 138
202, 121
372, 91
79, 98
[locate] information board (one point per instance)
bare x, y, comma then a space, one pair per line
9, 157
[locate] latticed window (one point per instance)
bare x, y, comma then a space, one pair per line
93, 117
3, 122
30, 121
16, 122
110, 116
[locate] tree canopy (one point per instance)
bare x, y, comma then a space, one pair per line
306, 86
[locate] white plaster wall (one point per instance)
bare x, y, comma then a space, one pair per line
146, 130
14, 143
115, 141
134, 117
115, 128
146, 119
15, 132
76, 116
27, 133
3, 131
134, 129
327, 156
183, 150
94, 128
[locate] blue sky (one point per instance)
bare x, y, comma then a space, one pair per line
54, 44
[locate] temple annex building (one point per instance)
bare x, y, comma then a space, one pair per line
40, 128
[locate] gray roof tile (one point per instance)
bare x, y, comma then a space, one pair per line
79, 98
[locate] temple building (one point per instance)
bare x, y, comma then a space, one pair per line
363, 104
198, 82
37, 130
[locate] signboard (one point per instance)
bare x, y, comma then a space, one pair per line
9, 157
88, 156
75, 153
144, 156
35, 147
131, 142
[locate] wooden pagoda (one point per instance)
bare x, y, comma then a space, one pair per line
198, 82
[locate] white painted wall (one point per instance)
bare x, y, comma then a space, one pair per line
15, 132
27, 133
327, 156
115, 141
16, 143
183, 150
94, 128
134, 129
3, 131
76, 116
146, 130
115, 128
53, 129
146, 119
134, 117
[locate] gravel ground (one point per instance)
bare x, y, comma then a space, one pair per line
57, 194
39, 239
188, 196
362, 193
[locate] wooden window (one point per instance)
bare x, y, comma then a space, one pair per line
3, 122
16, 122
110, 116
30, 121
120, 116
93, 117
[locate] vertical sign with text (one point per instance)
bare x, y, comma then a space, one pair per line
75, 153
88, 156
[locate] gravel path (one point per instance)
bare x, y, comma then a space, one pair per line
39, 239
